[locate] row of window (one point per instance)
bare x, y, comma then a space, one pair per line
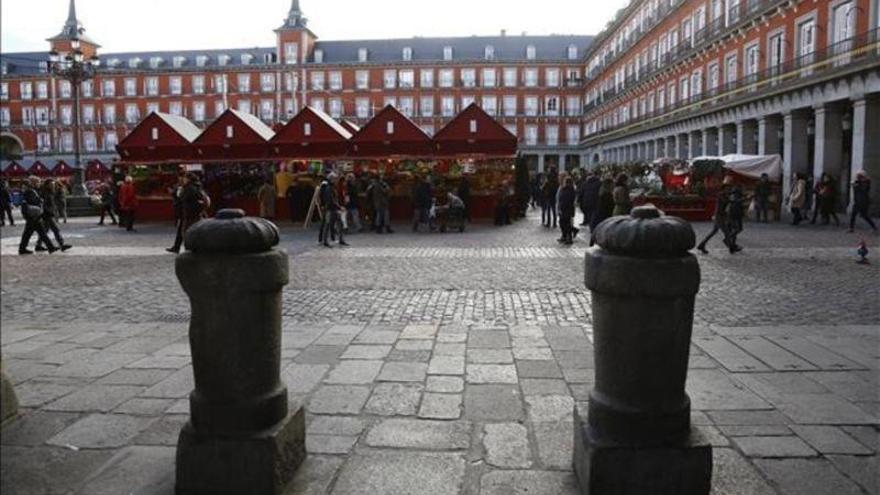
266, 109
291, 52
319, 80
64, 142
738, 65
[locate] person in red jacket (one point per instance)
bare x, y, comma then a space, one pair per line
127, 203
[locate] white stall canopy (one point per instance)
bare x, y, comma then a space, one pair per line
750, 165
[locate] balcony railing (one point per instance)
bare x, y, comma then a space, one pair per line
863, 48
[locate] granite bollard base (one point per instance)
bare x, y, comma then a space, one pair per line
605, 468
261, 463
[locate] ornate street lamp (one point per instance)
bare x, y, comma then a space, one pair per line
74, 68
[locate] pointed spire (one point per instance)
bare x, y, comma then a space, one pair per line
295, 18
73, 29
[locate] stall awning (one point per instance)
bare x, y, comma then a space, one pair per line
751, 166
234, 135
62, 169
159, 137
474, 132
391, 134
310, 134
13, 170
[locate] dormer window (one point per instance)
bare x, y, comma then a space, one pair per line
407, 53
202, 60
489, 52
447, 53
246, 58
572, 52
179, 61
319, 56
268, 58
362, 54
134, 63
223, 59
155, 62
113, 63
530, 52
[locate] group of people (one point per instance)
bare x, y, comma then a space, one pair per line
821, 198
117, 199
561, 194
41, 205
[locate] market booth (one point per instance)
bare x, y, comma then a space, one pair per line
237, 153
38, 169
62, 170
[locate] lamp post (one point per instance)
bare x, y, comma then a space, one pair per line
74, 68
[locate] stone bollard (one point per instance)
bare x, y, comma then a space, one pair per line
637, 437
240, 438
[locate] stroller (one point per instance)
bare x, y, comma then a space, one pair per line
452, 216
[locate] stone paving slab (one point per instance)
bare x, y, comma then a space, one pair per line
460, 380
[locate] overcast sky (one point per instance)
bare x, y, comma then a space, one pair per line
128, 25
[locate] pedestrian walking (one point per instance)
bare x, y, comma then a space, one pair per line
567, 200
48, 193
548, 195
797, 199
193, 203
826, 200
379, 191
32, 211
762, 198
622, 203
128, 203
537, 180
108, 200
266, 196
351, 203
861, 201
422, 200
590, 197
720, 221
604, 206
464, 193
331, 223
735, 212
61, 199
5, 204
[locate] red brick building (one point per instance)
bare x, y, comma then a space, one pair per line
684, 78
532, 84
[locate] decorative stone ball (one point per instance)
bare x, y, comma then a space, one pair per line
231, 232
646, 233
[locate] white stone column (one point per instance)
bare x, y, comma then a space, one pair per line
795, 146
866, 145
726, 142
745, 137
710, 141
829, 144
769, 127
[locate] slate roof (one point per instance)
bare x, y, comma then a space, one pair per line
472, 48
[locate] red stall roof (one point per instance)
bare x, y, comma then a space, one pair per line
310, 134
474, 132
159, 137
62, 169
233, 135
14, 170
390, 133
40, 170
350, 126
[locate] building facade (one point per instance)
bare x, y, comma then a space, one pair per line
684, 78
532, 84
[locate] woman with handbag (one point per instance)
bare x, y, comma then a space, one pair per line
32, 211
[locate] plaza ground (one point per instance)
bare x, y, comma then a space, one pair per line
443, 363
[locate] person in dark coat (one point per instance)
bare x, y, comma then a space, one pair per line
464, 194
422, 201
590, 197
604, 206
720, 220
762, 198
177, 198
861, 201
5, 204
50, 213
826, 200
536, 189
331, 222
548, 196
108, 202
735, 212
567, 200
32, 211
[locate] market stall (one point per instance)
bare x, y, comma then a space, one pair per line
62, 170
38, 169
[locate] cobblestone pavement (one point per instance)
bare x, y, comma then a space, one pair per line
440, 363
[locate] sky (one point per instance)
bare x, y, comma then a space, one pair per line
128, 25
